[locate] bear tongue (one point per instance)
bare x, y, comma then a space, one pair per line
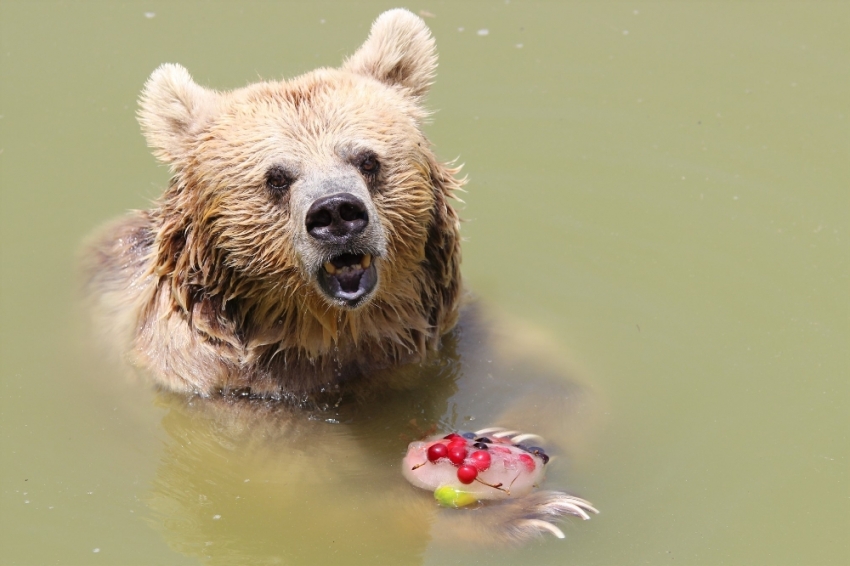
349, 280
348, 277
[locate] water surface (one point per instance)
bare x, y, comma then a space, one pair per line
661, 189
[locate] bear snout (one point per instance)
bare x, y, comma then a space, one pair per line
342, 246
337, 218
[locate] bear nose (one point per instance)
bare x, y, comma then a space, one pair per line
336, 218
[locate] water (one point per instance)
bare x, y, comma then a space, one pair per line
660, 189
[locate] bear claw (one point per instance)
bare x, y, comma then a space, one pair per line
539, 511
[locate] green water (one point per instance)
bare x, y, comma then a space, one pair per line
662, 188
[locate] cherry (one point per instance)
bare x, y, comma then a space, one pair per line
467, 473
437, 451
457, 454
481, 460
527, 461
452, 436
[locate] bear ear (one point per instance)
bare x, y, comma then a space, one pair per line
172, 108
399, 52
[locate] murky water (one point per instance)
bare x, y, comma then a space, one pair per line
661, 189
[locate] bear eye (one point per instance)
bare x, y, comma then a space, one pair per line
277, 179
369, 165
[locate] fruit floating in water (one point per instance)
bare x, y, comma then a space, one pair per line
464, 469
470, 467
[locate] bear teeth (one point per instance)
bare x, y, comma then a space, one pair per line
365, 262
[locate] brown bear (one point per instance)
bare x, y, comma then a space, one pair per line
306, 249
306, 238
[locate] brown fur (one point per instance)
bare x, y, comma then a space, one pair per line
213, 289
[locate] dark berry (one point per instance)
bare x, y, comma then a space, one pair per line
468, 435
467, 473
480, 446
437, 451
539, 452
483, 439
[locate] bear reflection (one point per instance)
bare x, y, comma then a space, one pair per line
249, 480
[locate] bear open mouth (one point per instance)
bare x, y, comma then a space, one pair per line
348, 278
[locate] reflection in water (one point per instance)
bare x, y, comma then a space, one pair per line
244, 479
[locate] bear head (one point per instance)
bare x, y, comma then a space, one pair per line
310, 215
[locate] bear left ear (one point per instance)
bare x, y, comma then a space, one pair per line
172, 108
399, 52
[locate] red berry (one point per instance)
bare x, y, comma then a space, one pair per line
457, 454
452, 436
481, 460
437, 451
527, 461
457, 442
467, 473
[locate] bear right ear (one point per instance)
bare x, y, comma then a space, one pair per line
399, 52
172, 107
